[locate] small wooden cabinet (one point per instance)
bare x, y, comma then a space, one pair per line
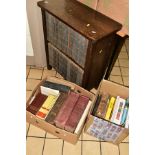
79, 41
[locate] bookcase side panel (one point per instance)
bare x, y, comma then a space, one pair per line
101, 53
88, 65
45, 38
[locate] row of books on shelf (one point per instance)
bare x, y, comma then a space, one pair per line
113, 109
58, 105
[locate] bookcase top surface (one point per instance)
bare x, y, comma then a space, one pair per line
88, 22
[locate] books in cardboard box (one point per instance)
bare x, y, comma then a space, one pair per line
66, 110
118, 110
76, 114
63, 108
109, 126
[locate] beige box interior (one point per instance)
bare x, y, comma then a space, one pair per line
114, 90
65, 135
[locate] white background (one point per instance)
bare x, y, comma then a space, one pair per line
13, 77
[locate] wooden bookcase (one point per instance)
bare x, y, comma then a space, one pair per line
79, 41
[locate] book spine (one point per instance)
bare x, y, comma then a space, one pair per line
96, 104
127, 121
119, 113
116, 106
76, 114
102, 108
66, 110
83, 118
36, 103
56, 108
47, 105
125, 112
110, 108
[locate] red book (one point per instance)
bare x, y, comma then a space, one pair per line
36, 103
66, 110
76, 113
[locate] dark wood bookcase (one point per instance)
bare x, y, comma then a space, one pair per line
79, 41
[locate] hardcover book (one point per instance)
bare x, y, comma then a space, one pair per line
56, 86
56, 108
96, 105
66, 110
102, 108
36, 103
76, 114
47, 105
82, 119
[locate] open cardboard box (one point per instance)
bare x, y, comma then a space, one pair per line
31, 118
93, 124
107, 86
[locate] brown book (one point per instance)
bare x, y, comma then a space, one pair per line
76, 114
103, 105
56, 108
36, 103
66, 110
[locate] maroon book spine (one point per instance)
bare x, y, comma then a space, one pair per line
66, 110
76, 113
36, 103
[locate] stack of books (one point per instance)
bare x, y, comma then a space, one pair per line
112, 108
58, 105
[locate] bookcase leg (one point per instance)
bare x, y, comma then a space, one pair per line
116, 52
49, 67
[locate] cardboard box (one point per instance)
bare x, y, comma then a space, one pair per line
65, 135
103, 129
107, 86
